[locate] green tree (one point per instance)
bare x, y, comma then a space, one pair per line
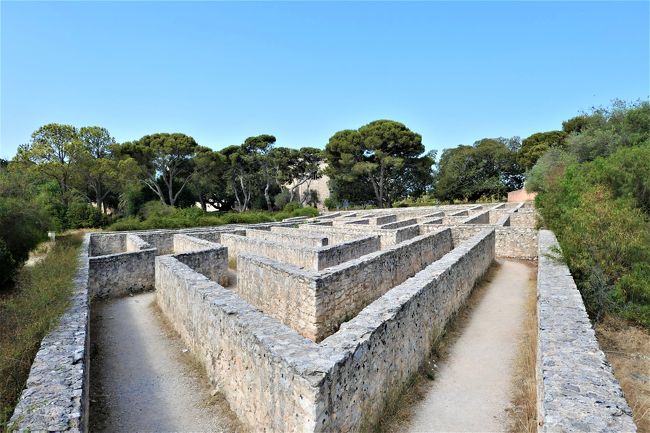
606, 129
301, 167
384, 153
24, 221
164, 157
261, 149
486, 169
209, 183
243, 175
53, 149
99, 169
537, 144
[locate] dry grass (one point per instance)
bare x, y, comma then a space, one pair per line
41, 294
400, 410
523, 410
628, 350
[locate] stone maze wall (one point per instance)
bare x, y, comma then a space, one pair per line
316, 303
275, 378
326, 321
122, 273
576, 388
207, 258
304, 240
311, 258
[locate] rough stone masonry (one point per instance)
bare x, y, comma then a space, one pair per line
328, 318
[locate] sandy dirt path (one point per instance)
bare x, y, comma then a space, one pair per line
141, 378
471, 391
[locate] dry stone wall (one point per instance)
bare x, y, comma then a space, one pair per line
304, 239
316, 303
276, 380
205, 257
311, 258
372, 317
55, 397
576, 388
123, 273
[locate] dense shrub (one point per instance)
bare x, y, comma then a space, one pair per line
157, 216
82, 215
42, 292
291, 206
599, 211
330, 203
22, 226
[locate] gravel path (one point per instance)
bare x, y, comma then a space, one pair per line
471, 391
141, 378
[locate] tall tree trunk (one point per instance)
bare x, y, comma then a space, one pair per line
269, 205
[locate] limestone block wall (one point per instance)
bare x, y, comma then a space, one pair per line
516, 242
455, 219
135, 243
480, 218
379, 350
576, 388
384, 219
316, 303
399, 224
334, 237
254, 360
387, 237
511, 242
295, 238
496, 215
55, 397
311, 258
524, 218
215, 236
276, 380
207, 258
122, 273
102, 244
340, 253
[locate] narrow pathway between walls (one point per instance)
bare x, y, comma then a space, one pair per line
142, 377
472, 388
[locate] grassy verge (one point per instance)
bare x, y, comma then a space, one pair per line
41, 294
628, 350
192, 217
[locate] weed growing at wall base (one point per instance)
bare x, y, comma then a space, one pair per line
41, 295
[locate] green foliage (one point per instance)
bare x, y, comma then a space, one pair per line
607, 129
330, 203
420, 201
22, 226
282, 198
549, 168
537, 144
163, 157
488, 168
82, 215
383, 157
41, 294
599, 211
154, 215
291, 206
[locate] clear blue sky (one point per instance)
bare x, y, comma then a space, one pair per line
454, 72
